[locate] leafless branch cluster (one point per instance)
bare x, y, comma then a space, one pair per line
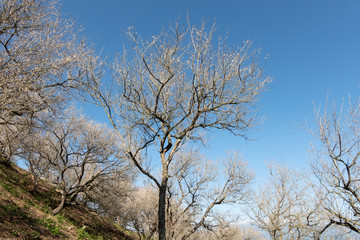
196, 190
336, 165
323, 204
140, 211
286, 208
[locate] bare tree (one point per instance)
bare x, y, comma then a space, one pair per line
41, 60
110, 194
336, 165
285, 207
76, 155
196, 190
139, 212
171, 89
198, 187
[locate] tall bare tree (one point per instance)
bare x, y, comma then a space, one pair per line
41, 60
336, 165
169, 90
286, 208
77, 155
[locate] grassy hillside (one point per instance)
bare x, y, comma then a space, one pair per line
25, 212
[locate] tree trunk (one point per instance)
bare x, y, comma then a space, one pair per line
161, 210
61, 205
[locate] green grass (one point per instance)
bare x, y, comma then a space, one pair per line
83, 234
12, 211
61, 219
10, 188
33, 235
15, 211
29, 203
51, 225
46, 209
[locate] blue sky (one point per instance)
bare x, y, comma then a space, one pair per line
313, 49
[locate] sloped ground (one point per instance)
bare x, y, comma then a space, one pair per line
25, 212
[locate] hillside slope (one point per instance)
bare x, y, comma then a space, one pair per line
25, 212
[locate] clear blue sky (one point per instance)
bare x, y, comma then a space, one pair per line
313, 48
